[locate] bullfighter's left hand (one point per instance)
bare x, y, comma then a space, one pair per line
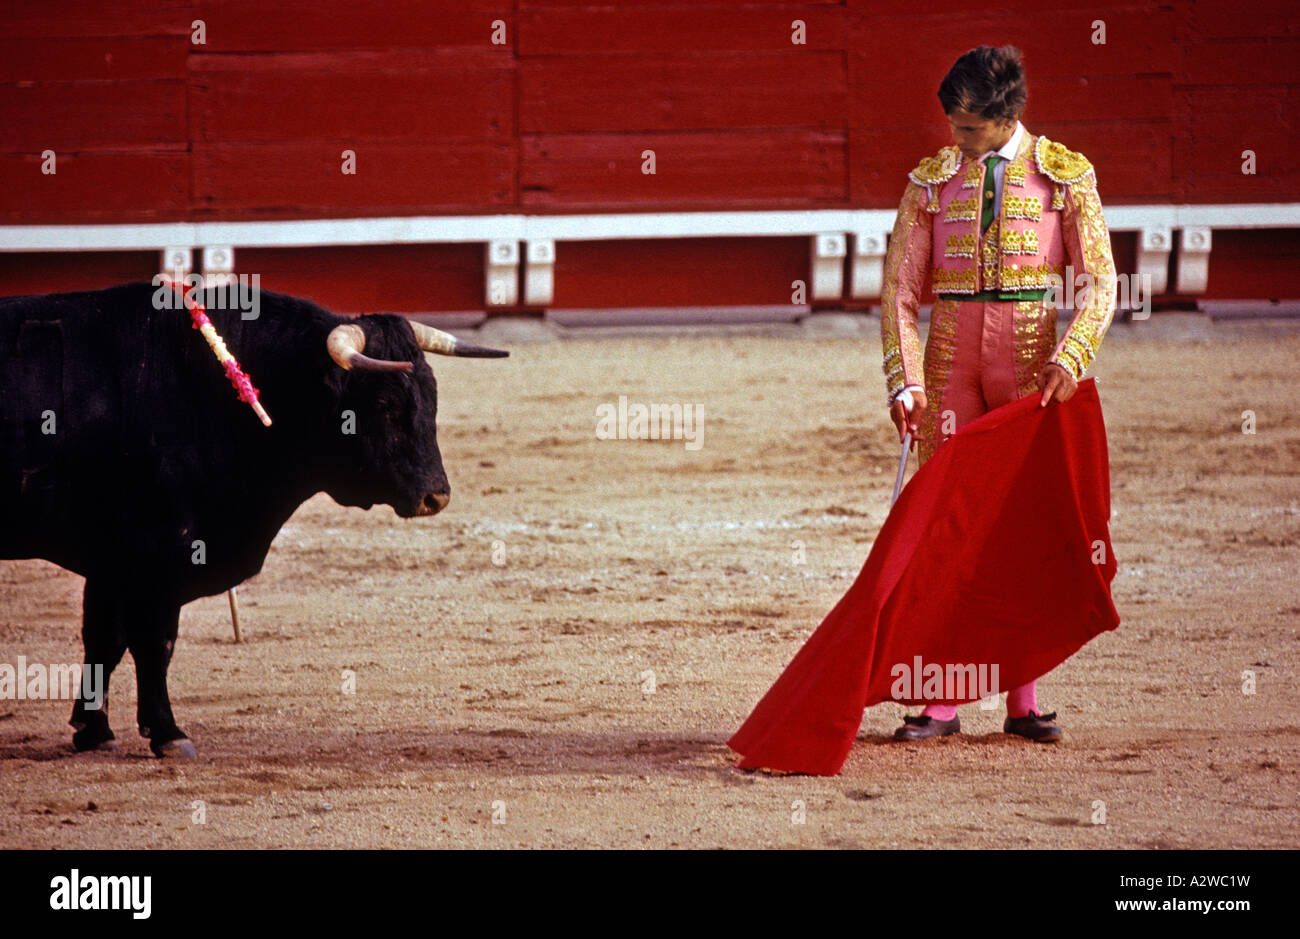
1056, 384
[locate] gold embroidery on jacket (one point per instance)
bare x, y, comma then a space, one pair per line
989, 255
1034, 337
937, 169
962, 210
1059, 164
1031, 276
1030, 207
946, 281
1020, 242
940, 348
960, 246
1083, 219
972, 177
898, 329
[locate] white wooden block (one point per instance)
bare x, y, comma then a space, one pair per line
1154, 246
867, 271
502, 286
539, 272
1193, 259
828, 252
218, 265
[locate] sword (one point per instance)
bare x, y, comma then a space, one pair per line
906, 399
902, 468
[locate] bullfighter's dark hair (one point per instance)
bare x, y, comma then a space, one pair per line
986, 81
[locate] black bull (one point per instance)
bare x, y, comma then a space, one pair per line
128, 459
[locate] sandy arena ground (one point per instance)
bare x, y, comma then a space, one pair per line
519, 689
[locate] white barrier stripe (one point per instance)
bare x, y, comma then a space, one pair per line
451, 229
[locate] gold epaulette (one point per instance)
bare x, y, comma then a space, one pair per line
937, 169
1059, 164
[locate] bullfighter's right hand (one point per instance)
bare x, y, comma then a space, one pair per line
908, 421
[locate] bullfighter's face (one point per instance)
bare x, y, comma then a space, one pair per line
975, 135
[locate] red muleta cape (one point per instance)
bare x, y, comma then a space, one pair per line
987, 557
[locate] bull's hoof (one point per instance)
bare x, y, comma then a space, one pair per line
104, 746
88, 741
175, 749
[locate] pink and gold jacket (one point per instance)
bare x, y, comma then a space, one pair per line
1050, 233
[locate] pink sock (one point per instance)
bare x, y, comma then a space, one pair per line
940, 712
1020, 701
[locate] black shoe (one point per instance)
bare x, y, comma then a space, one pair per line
1034, 726
922, 727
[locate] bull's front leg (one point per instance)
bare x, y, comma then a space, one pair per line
151, 634
103, 637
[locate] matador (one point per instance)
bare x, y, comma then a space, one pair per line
1008, 226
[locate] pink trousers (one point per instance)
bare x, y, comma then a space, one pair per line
980, 356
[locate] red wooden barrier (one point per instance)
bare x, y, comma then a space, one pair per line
147, 125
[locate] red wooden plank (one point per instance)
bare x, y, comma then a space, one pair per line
61, 271
678, 271
1013, 10
1101, 98
663, 92
1230, 19
303, 179
1263, 263
740, 170
257, 26
45, 20
1208, 159
1239, 62
1222, 110
873, 105
879, 161
373, 278
112, 115
115, 58
95, 187
922, 47
1209, 167
602, 30
684, 5
328, 97
1133, 159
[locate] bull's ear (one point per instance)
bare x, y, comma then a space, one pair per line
435, 340
345, 343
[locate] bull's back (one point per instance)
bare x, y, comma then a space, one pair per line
65, 363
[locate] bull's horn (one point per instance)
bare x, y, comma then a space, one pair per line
345, 344
435, 340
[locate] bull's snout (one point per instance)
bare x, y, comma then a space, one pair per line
434, 503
